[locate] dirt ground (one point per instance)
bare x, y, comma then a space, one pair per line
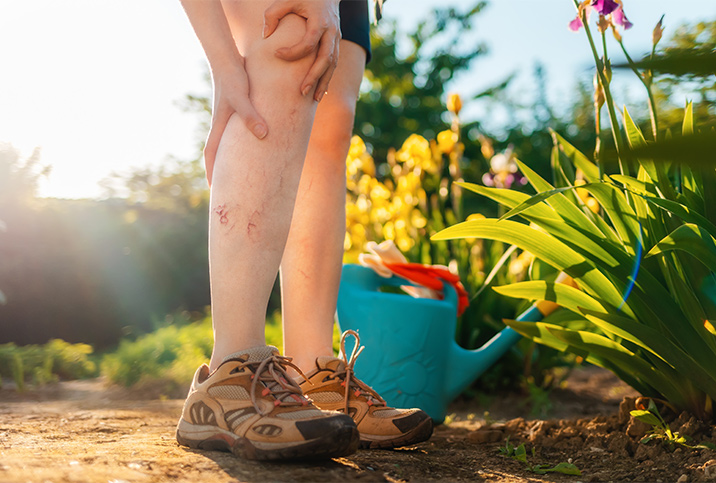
81, 431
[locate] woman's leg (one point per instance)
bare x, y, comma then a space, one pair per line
254, 182
312, 260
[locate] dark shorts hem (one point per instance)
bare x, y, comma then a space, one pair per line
355, 24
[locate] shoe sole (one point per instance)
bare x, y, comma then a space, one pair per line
343, 440
418, 434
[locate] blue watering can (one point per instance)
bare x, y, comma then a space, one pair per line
411, 358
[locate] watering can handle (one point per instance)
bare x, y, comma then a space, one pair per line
369, 280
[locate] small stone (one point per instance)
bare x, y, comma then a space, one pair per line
683, 478
485, 436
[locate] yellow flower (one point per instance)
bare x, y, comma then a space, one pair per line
593, 205
415, 147
447, 140
454, 103
581, 192
357, 148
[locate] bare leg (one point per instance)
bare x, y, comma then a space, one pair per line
311, 265
255, 181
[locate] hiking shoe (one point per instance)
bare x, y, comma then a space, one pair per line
332, 386
249, 406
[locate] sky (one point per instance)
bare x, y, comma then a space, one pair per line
95, 85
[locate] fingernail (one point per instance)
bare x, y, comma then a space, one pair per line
320, 96
260, 131
306, 90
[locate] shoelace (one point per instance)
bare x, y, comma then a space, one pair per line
360, 388
272, 373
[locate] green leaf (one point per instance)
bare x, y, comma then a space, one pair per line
590, 170
678, 62
656, 172
655, 342
538, 198
563, 206
620, 213
706, 445
692, 239
566, 469
615, 352
636, 186
684, 212
687, 127
646, 439
500, 263
563, 295
645, 417
541, 245
540, 332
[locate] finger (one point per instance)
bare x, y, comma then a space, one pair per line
322, 88
274, 14
252, 120
306, 46
218, 125
325, 63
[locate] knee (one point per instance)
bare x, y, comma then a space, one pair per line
334, 124
261, 53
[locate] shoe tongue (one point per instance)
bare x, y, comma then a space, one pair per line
330, 363
254, 354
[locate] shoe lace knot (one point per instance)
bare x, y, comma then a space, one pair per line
272, 373
353, 384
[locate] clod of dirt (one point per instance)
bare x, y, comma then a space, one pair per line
709, 469
485, 436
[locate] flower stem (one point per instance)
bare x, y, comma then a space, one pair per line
609, 100
649, 93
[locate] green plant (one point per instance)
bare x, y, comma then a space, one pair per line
46, 363
168, 357
661, 431
641, 261
519, 453
170, 354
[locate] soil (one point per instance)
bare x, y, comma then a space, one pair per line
82, 431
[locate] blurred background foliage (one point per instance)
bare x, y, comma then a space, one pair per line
103, 271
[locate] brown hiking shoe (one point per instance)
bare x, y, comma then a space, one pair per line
249, 406
333, 386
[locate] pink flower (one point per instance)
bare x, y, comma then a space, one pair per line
576, 24
612, 8
619, 18
604, 7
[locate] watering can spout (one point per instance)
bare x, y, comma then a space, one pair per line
464, 366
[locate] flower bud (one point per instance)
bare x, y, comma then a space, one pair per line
598, 94
603, 24
486, 147
658, 32
454, 103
